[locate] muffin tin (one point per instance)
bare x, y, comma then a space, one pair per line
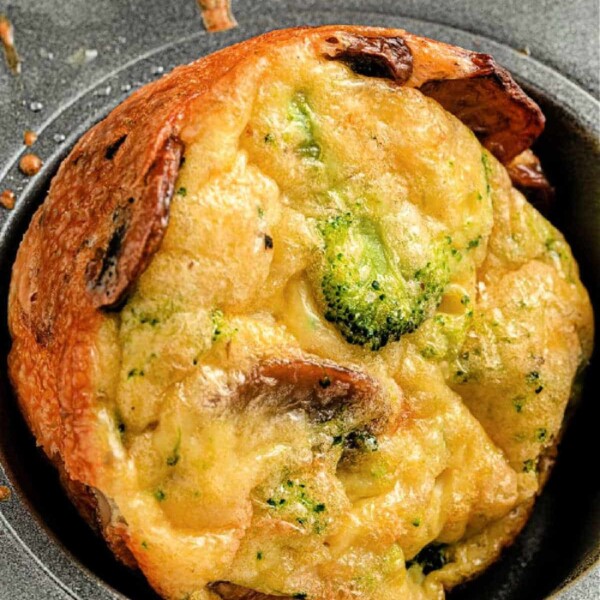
81, 59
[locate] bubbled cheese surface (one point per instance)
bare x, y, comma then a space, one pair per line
273, 501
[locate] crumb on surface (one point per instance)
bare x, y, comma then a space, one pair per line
29, 137
7, 199
30, 164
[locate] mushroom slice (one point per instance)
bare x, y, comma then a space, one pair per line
490, 102
528, 177
373, 56
135, 230
324, 390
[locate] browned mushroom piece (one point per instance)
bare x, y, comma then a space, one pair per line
322, 389
134, 235
470, 85
94, 507
387, 57
231, 591
490, 102
527, 175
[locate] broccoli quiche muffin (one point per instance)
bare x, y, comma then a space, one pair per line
288, 330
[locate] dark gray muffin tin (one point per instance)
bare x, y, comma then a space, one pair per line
80, 59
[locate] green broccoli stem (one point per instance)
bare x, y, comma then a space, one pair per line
301, 114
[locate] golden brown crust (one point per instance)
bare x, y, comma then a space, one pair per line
107, 209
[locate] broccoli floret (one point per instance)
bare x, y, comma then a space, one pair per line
368, 297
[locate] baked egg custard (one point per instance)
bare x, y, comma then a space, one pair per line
340, 370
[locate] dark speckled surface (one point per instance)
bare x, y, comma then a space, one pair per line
81, 58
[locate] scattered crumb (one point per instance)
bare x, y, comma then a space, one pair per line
30, 164
7, 199
29, 137
525, 50
4, 493
7, 39
217, 15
